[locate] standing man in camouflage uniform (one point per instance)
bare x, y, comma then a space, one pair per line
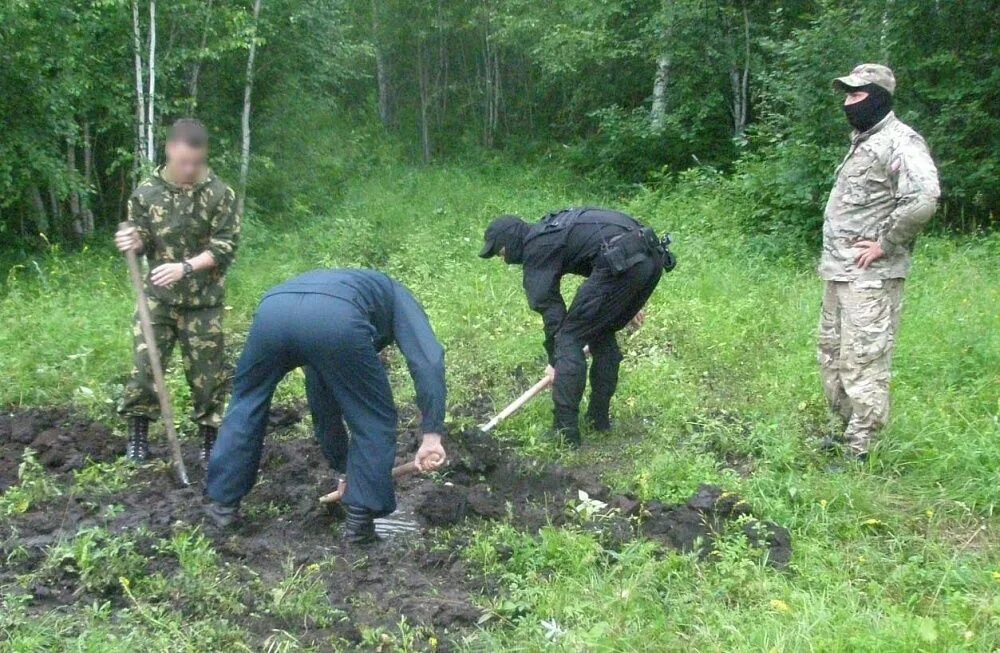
184, 219
886, 191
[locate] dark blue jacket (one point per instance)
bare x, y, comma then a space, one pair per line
396, 317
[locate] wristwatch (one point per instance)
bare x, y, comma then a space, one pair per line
188, 269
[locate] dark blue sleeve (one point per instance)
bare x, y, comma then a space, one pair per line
424, 357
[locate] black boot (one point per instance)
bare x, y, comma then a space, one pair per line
137, 449
208, 435
222, 516
568, 430
359, 528
598, 415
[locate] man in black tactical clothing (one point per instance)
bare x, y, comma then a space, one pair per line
623, 262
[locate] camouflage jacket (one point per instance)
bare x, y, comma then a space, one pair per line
886, 190
178, 223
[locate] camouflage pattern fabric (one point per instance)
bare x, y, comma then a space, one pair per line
857, 333
886, 191
199, 332
176, 223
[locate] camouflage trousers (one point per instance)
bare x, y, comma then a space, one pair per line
857, 333
199, 332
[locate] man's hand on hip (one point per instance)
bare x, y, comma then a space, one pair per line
431, 454
871, 251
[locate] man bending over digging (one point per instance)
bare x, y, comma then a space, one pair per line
334, 323
622, 260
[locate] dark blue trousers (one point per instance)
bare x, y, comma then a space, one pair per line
345, 381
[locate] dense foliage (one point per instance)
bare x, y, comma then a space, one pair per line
625, 91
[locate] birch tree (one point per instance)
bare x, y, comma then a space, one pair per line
142, 154
151, 96
245, 121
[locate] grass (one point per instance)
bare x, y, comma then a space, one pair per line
719, 386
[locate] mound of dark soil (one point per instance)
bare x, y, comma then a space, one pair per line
63, 440
283, 522
486, 482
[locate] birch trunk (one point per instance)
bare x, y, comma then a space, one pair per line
196, 69
884, 32
658, 112
740, 82
150, 116
245, 121
140, 98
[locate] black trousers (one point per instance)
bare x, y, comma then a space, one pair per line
345, 381
604, 304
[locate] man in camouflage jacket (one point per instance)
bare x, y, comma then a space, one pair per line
886, 191
184, 219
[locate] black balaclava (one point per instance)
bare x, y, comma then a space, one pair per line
867, 113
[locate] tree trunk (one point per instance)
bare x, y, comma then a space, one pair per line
385, 112
196, 68
55, 210
150, 119
87, 213
74, 193
425, 100
658, 112
491, 77
740, 82
884, 43
245, 121
39, 211
141, 155
661, 79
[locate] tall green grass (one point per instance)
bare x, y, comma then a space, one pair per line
719, 386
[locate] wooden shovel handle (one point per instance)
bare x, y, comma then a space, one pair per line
517, 404
400, 470
153, 351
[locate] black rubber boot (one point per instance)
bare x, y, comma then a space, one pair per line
568, 431
208, 435
137, 449
359, 528
222, 516
598, 415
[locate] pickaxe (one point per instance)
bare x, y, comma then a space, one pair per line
146, 325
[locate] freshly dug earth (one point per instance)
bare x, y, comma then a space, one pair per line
63, 441
284, 525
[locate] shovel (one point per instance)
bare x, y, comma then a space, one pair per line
146, 325
397, 472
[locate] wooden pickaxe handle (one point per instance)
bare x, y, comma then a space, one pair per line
397, 471
146, 325
517, 404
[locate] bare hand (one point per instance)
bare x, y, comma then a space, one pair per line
128, 240
431, 454
550, 373
167, 274
872, 252
638, 320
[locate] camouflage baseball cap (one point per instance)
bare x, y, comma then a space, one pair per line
867, 73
